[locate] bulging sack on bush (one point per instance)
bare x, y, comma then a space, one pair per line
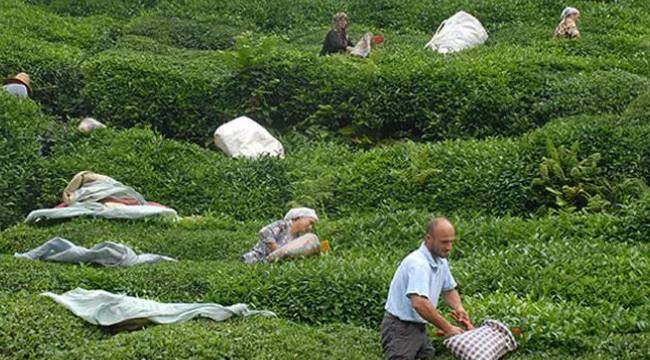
88, 125
363, 47
245, 137
307, 244
461, 31
490, 341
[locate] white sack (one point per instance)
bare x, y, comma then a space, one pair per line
245, 137
103, 308
363, 47
461, 31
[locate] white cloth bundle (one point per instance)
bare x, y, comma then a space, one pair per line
459, 32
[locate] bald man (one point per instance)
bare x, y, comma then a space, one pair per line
412, 302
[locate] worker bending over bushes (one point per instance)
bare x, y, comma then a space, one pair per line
18, 85
286, 238
412, 301
337, 40
568, 26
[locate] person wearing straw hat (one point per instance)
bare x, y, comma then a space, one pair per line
296, 222
568, 26
19, 85
420, 280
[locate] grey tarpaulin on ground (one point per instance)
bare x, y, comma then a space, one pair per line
85, 200
106, 254
103, 308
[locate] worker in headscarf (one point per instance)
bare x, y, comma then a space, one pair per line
296, 222
337, 39
568, 26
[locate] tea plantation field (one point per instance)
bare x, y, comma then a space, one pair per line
536, 149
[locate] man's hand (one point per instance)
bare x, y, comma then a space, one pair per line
453, 331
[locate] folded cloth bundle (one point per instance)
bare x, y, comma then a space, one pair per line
100, 196
106, 254
490, 341
103, 308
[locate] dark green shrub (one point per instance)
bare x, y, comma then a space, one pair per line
185, 33
115, 8
639, 109
20, 167
128, 89
55, 72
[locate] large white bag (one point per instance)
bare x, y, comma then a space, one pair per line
245, 137
461, 31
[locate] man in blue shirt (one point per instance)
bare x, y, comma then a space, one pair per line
412, 301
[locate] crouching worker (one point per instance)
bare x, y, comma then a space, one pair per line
419, 281
568, 26
337, 40
19, 85
283, 238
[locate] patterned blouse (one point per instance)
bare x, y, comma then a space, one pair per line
567, 28
278, 233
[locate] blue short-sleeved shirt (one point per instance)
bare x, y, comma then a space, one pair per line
420, 274
19, 90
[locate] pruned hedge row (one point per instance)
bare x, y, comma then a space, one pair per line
56, 333
54, 70
21, 123
183, 176
491, 176
185, 33
540, 274
420, 96
402, 91
525, 249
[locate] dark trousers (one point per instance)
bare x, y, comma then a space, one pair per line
404, 340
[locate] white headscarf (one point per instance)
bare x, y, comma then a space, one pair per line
296, 213
569, 11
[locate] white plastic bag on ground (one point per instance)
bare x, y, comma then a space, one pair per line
461, 31
245, 137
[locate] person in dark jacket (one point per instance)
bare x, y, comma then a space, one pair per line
337, 40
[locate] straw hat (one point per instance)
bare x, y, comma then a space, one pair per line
21, 78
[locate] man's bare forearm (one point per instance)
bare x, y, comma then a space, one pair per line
452, 298
428, 312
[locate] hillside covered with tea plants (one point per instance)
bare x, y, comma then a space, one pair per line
536, 149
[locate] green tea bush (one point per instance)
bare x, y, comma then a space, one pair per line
183, 176
115, 8
185, 33
421, 97
129, 88
525, 272
639, 109
31, 22
491, 176
20, 167
54, 70
56, 333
